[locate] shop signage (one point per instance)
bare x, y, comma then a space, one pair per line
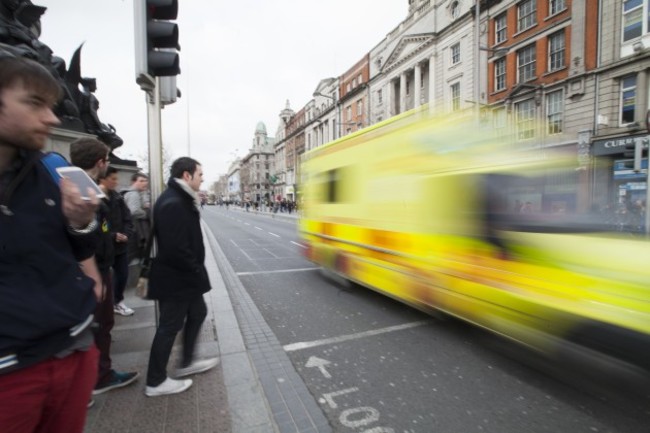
615, 145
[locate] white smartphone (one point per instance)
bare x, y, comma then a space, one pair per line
82, 180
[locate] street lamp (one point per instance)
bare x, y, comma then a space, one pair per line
338, 110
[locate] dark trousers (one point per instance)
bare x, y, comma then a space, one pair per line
105, 321
120, 276
173, 314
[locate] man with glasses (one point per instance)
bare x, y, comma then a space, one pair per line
91, 155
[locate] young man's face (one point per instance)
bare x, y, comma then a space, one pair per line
141, 183
195, 180
25, 118
110, 181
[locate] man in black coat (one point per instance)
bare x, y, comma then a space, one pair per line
178, 279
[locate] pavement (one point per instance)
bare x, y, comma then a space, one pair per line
255, 388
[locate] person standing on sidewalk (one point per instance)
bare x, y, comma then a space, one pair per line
91, 155
178, 279
49, 282
139, 206
121, 229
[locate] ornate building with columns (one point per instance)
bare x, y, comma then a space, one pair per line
428, 58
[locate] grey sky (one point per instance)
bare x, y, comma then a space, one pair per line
241, 60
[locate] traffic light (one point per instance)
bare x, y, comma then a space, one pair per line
156, 38
635, 150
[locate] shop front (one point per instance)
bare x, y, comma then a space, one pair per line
619, 191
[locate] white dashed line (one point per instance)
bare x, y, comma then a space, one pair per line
279, 271
309, 344
273, 234
300, 245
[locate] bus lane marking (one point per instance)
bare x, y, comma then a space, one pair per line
319, 363
309, 344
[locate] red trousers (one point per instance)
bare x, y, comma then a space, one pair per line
49, 397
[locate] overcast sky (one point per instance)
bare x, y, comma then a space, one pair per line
241, 61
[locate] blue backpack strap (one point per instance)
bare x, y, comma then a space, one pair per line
52, 161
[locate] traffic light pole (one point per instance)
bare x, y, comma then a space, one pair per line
155, 141
647, 198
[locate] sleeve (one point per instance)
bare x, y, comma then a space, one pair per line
84, 245
127, 220
134, 203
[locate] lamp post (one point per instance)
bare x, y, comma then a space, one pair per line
338, 111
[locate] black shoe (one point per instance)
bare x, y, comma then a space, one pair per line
117, 380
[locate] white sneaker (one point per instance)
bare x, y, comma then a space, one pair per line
197, 367
123, 310
169, 386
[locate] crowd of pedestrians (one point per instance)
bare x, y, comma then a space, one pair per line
64, 263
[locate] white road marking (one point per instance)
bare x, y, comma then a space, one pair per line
300, 245
273, 234
258, 228
309, 344
278, 271
319, 363
247, 224
268, 251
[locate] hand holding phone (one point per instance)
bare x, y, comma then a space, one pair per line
81, 179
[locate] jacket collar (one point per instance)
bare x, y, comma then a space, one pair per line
183, 187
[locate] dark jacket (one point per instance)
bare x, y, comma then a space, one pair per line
178, 271
43, 292
119, 219
105, 252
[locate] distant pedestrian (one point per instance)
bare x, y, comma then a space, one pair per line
137, 200
49, 281
178, 279
121, 230
91, 155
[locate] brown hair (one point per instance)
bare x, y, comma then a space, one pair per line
85, 152
32, 75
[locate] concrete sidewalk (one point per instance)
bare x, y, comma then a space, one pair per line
228, 398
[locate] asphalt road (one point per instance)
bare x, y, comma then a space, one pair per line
376, 365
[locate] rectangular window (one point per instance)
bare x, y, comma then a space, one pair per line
349, 113
556, 49
628, 99
359, 107
499, 118
526, 63
379, 96
633, 25
455, 53
556, 6
555, 112
455, 96
500, 28
499, 75
525, 119
526, 14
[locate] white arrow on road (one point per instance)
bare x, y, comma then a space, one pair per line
319, 363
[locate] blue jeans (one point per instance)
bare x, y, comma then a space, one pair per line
173, 313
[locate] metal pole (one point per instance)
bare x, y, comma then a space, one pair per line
477, 68
155, 143
647, 196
